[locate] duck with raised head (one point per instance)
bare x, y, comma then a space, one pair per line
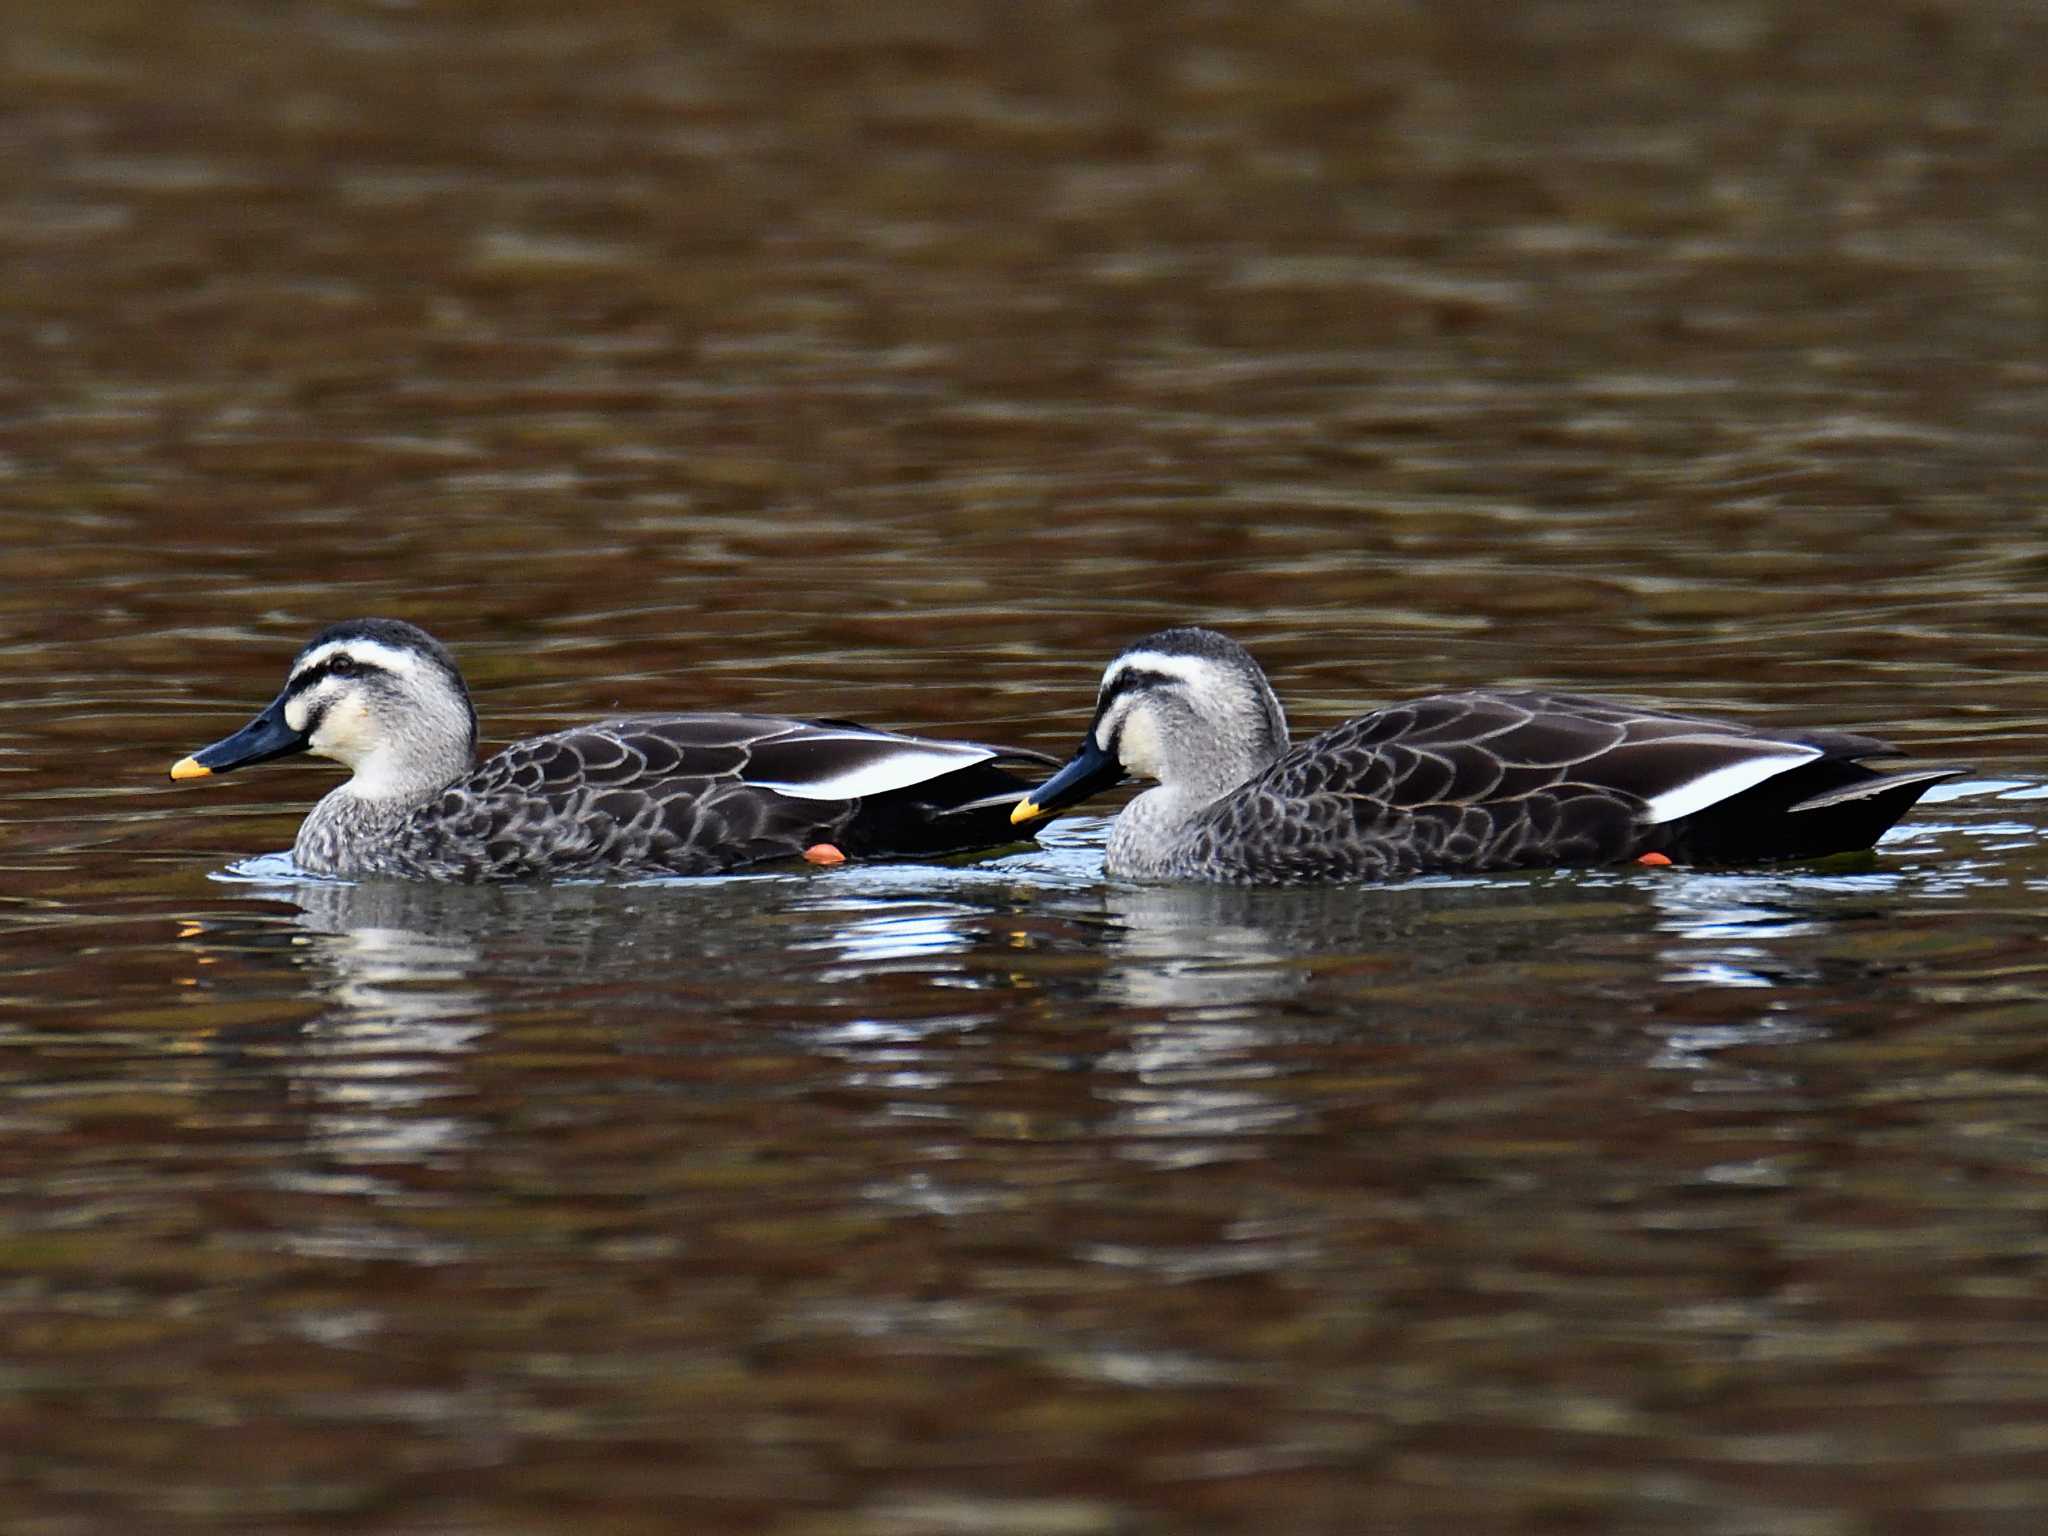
1452, 782
686, 794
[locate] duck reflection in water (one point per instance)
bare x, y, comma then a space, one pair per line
1230, 972
400, 1008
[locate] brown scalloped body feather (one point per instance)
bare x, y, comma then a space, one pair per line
1491, 781
675, 795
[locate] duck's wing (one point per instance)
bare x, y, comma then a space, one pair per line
906, 794
1505, 780
695, 794
880, 793
838, 760
1716, 792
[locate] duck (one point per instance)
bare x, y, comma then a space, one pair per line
1452, 782
678, 794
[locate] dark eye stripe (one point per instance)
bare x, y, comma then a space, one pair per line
313, 676
1134, 680
1131, 680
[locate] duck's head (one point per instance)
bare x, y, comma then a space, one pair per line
381, 696
1188, 707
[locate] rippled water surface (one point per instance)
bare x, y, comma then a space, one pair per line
899, 362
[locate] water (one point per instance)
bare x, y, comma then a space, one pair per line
901, 362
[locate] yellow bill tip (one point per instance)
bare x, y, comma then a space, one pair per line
1026, 810
190, 768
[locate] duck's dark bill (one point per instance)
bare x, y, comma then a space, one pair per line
265, 737
1091, 769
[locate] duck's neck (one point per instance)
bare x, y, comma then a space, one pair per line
1149, 830
1153, 830
343, 834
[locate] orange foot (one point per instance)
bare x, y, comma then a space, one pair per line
825, 853
1652, 859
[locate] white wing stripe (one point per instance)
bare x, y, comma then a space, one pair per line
910, 763
1722, 783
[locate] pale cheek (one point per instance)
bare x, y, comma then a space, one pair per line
344, 731
1139, 748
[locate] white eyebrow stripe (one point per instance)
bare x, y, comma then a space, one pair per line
390, 657
1192, 670
1725, 782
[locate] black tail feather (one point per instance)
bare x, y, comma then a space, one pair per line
965, 809
1833, 805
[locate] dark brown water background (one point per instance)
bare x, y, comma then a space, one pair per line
901, 360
